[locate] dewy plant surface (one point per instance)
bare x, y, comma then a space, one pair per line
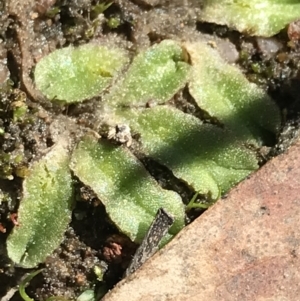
130, 195
256, 17
45, 210
72, 74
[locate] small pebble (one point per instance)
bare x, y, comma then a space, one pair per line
268, 46
294, 31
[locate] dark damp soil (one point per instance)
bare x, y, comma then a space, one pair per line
31, 29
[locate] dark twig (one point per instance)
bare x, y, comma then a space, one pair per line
158, 229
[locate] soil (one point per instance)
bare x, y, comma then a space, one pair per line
31, 29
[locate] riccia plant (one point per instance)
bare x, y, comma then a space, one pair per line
210, 159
